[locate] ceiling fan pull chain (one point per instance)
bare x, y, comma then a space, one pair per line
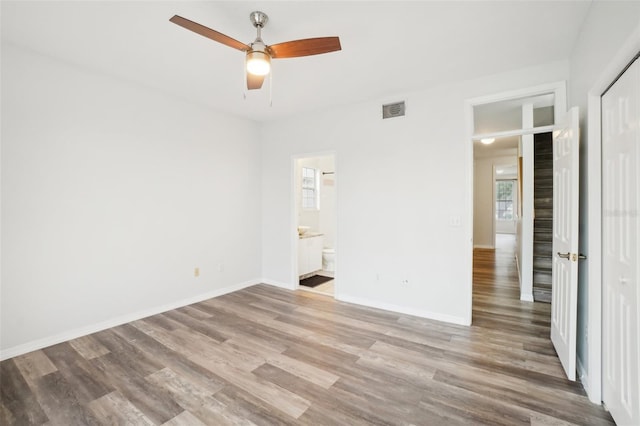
244, 80
271, 89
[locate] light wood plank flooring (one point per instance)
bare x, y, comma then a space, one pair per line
269, 356
324, 288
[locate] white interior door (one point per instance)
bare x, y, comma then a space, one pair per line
620, 254
564, 290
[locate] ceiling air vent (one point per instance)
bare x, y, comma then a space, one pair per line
396, 109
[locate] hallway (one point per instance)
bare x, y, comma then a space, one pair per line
496, 294
517, 336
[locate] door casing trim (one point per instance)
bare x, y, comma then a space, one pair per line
560, 107
592, 377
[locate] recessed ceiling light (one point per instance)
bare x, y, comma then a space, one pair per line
487, 141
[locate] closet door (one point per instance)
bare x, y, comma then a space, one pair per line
620, 247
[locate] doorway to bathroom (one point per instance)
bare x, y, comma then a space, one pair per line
315, 220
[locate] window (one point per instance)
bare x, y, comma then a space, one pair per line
310, 199
505, 191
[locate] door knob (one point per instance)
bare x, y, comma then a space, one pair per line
564, 255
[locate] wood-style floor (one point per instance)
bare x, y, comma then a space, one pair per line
269, 356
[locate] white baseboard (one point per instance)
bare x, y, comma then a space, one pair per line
483, 246
526, 297
276, 284
113, 322
402, 309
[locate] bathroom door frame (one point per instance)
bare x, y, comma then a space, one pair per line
295, 283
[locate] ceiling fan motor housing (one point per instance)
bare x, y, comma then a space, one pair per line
258, 19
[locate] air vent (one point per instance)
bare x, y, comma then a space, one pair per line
396, 109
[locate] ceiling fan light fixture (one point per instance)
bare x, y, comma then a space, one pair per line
258, 62
258, 55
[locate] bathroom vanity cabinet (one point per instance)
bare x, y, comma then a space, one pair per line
309, 254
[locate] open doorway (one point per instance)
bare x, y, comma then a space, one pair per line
563, 216
315, 220
501, 128
495, 191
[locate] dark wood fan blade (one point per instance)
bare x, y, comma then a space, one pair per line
209, 33
254, 81
306, 47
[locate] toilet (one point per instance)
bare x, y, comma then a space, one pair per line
328, 259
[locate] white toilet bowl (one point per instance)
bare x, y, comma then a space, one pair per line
328, 259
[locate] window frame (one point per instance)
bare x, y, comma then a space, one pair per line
313, 188
512, 200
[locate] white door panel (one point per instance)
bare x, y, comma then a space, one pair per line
620, 240
564, 290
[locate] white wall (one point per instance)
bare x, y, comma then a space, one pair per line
607, 27
483, 196
403, 181
111, 195
328, 194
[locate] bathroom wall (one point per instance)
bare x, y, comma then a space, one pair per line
310, 218
328, 201
323, 220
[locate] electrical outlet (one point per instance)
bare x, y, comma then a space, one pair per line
196, 272
405, 282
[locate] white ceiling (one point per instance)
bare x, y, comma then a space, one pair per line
388, 48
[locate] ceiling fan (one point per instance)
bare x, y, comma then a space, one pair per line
258, 54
